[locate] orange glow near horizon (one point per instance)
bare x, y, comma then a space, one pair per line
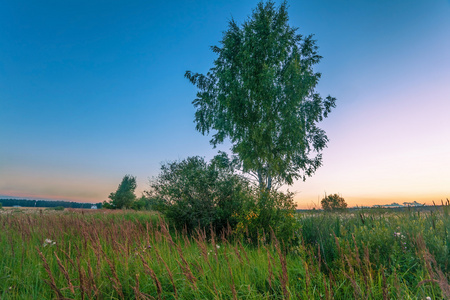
32, 196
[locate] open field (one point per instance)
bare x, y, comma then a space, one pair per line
88, 254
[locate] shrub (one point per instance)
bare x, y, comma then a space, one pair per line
333, 202
195, 194
273, 211
55, 208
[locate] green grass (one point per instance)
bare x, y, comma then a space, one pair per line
134, 255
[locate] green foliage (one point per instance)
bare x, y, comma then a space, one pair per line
124, 197
273, 212
107, 205
261, 95
333, 202
58, 208
142, 259
1, 205
195, 194
143, 203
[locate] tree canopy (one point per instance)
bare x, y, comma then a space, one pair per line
261, 95
124, 197
333, 202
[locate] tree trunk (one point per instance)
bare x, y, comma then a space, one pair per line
260, 179
269, 182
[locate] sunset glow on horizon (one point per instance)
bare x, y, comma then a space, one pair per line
90, 92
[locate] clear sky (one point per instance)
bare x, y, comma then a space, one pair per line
93, 90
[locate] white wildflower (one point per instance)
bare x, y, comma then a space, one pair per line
218, 247
49, 242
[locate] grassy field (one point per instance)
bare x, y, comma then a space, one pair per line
82, 254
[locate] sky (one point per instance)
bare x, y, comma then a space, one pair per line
93, 90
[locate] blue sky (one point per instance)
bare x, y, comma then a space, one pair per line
93, 90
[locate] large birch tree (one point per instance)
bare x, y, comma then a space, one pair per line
261, 95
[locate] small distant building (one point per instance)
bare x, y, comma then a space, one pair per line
415, 203
94, 206
392, 205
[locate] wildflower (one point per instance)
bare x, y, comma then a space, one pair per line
217, 246
428, 298
49, 242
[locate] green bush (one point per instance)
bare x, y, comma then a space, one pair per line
55, 208
333, 203
272, 212
195, 194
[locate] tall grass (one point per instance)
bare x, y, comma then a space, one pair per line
137, 255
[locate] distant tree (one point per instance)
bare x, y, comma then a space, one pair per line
1, 205
333, 202
124, 197
261, 95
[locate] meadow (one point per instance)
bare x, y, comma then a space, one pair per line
116, 254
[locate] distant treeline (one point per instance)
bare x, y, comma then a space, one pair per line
46, 203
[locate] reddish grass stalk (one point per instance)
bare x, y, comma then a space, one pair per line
307, 277
138, 294
64, 271
384, 285
68, 257
168, 272
215, 289
165, 232
152, 274
327, 293
92, 282
202, 245
284, 274
213, 241
437, 273
270, 268
319, 254
356, 294
358, 260
80, 277
187, 242
186, 269
236, 251
115, 279
243, 251
233, 288
50, 282
356, 289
